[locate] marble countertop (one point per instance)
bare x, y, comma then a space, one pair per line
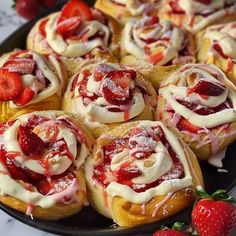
9, 21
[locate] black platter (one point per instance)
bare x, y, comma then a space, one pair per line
88, 222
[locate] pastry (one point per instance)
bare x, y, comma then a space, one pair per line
29, 82
195, 15
141, 172
124, 10
217, 45
155, 46
198, 102
41, 155
76, 32
106, 94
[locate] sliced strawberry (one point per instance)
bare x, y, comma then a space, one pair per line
115, 146
206, 2
176, 9
101, 71
20, 65
155, 58
128, 173
77, 8
116, 87
32, 176
56, 184
187, 104
184, 124
30, 142
13, 167
10, 85
68, 27
42, 26
24, 97
207, 88
99, 174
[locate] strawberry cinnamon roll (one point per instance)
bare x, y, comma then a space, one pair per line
198, 102
41, 155
124, 10
155, 45
106, 94
141, 172
217, 45
30, 82
195, 15
75, 32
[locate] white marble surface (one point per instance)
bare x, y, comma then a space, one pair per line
9, 21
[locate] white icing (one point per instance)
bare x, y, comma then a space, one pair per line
172, 91
225, 36
162, 163
136, 32
57, 164
76, 48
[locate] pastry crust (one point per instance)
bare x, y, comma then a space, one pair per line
36, 42
70, 101
121, 12
126, 213
173, 53
210, 141
207, 54
57, 69
60, 209
197, 22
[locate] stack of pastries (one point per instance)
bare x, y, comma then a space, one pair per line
114, 106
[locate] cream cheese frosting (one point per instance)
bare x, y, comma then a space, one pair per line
161, 164
76, 47
50, 130
151, 37
225, 36
94, 110
205, 72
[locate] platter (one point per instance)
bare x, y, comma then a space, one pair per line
88, 222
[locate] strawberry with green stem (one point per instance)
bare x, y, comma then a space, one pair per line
214, 215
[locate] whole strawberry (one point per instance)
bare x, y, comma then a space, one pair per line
214, 215
27, 8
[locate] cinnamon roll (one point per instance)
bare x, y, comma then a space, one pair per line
141, 172
30, 82
155, 46
41, 155
195, 15
76, 32
217, 45
124, 10
198, 102
106, 94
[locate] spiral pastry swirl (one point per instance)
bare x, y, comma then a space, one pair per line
135, 164
195, 15
105, 88
40, 155
159, 40
198, 99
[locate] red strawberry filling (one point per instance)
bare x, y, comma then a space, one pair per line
34, 147
103, 174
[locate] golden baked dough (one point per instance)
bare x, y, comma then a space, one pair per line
113, 200
197, 103
57, 191
156, 47
124, 12
189, 14
103, 109
44, 40
216, 45
48, 81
